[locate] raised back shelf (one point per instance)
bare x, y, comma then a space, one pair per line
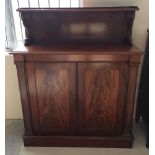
106, 25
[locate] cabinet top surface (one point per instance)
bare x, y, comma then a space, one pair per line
81, 49
123, 8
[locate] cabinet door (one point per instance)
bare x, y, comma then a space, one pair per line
102, 92
51, 88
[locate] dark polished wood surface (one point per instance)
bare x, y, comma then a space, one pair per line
123, 8
108, 142
89, 94
80, 25
102, 94
77, 49
78, 91
52, 96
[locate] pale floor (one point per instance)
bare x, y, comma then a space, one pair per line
14, 144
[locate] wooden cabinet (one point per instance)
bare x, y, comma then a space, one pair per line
77, 99
77, 76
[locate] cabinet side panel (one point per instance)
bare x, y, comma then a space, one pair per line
22, 78
131, 98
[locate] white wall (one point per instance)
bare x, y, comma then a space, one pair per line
13, 103
12, 96
141, 23
96, 3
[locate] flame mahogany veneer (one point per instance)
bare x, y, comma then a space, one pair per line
77, 76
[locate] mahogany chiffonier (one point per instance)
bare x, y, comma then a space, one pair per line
77, 76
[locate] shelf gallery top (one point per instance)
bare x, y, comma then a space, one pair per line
90, 25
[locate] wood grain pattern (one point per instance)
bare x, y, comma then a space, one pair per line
79, 25
101, 87
131, 98
74, 49
22, 79
78, 78
75, 58
51, 97
101, 109
52, 90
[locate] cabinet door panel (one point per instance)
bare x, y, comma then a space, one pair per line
52, 97
102, 90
